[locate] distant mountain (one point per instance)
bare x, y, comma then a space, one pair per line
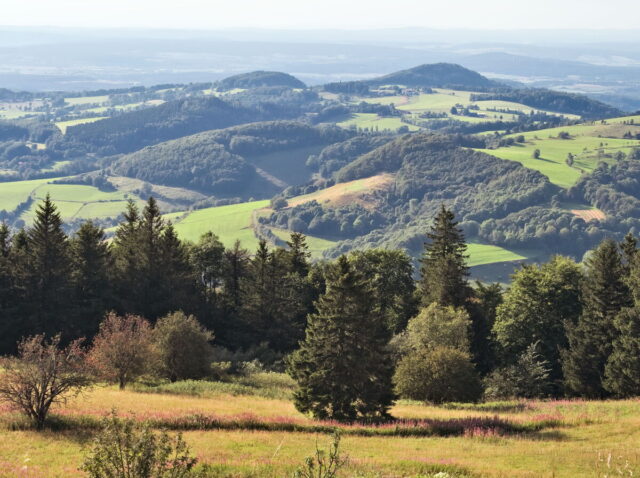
437, 75
256, 79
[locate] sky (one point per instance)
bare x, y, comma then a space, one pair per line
340, 14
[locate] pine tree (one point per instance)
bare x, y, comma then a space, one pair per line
591, 338
92, 262
49, 270
298, 254
342, 368
622, 371
629, 248
443, 265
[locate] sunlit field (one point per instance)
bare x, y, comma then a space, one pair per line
251, 429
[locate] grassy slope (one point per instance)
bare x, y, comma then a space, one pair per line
228, 222
373, 121
63, 125
578, 444
317, 245
480, 254
584, 145
80, 201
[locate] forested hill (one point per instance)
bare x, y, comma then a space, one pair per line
216, 162
256, 79
561, 102
136, 129
438, 75
426, 171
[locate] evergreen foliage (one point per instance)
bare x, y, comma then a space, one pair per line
342, 367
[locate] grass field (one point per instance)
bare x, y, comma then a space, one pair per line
372, 121
16, 192
349, 192
317, 245
87, 100
79, 201
63, 125
584, 143
442, 100
248, 435
228, 222
480, 254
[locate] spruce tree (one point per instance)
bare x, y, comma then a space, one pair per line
622, 371
604, 294
444, 268
298, 254
342, 367
48, 274
92, 264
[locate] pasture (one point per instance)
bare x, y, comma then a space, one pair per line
584, 143
227, 222
76, 201
373, 122
248, 430
442, 100
63, 125
480, 254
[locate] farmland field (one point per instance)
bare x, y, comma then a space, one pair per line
480, 254
373, 121
228, 222
588, 150
250, 435
63, 125
86, 100
317, 245
79, 201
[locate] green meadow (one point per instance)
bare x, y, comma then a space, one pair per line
63, 125
317, 245
373, 121
480, 254
584, 143
227, 222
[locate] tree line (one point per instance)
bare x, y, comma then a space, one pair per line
356, 333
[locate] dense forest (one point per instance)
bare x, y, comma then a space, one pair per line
560, 329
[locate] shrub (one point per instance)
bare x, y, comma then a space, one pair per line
323, 464
126, 449
443, 374
182, 347
42, 374
121, 350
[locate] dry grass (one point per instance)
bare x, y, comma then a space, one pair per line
359, 191
577, 438
589, 214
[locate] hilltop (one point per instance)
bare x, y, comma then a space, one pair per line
437, 75
256, 79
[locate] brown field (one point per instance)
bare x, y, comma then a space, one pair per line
359, 191
589, 214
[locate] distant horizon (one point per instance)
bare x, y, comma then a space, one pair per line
489, 15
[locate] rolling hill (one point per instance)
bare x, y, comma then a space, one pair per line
256, 79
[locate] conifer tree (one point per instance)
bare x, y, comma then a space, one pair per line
92, 263
622, 371
444, 268
49, 271
342, 368
628, 248
591, 338
298, 254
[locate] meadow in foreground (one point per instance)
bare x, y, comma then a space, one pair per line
255, 434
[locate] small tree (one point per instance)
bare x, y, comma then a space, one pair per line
443, 374
42, 374
536, 153
122, 349
126, 449
183, 347
529, 377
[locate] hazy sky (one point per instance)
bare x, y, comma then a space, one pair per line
344, 14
